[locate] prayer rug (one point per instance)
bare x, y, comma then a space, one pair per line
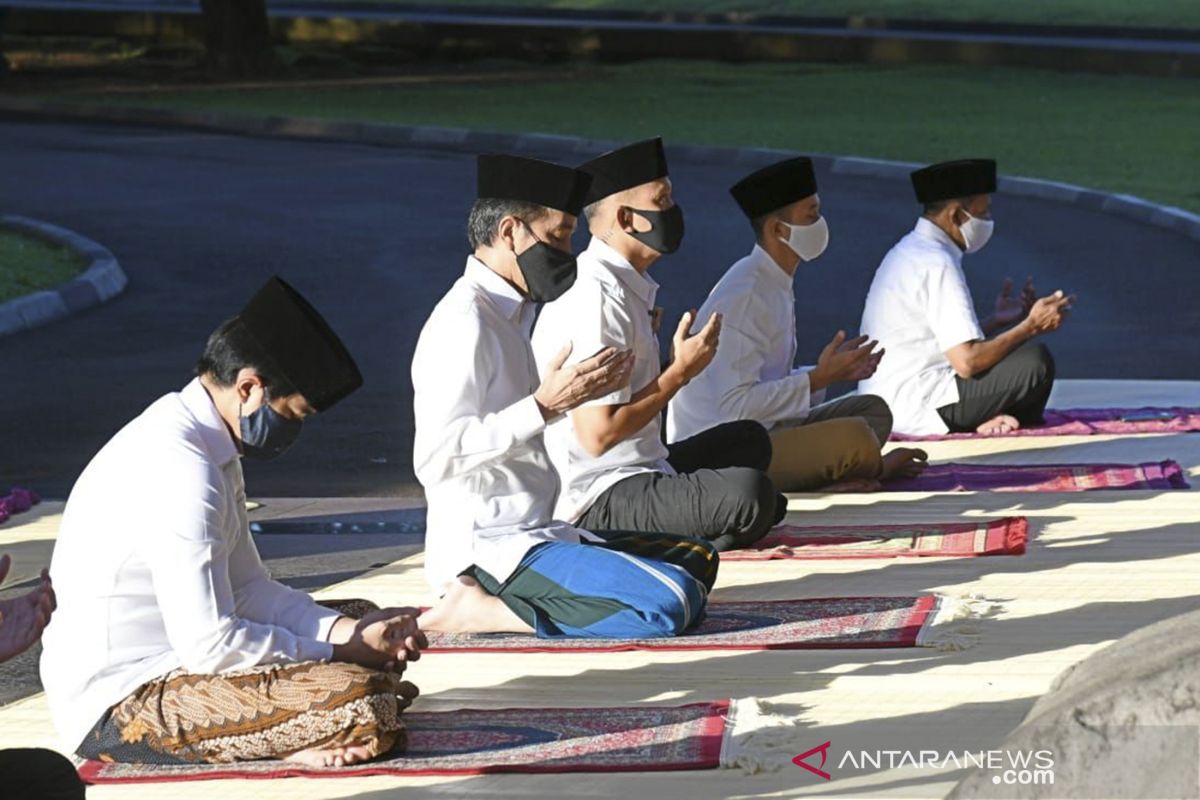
995, 537
1090, 421
476, 741
18, 501
1041, 478
810, 624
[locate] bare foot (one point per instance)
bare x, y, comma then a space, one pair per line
342, 756
852, 486
904, 462
1003, 423
467, 608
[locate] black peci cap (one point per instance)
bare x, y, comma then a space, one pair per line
624, 168
773, 187
294, 339
529, 180
951, 179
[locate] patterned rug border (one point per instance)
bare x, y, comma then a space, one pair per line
1170, 477
713, 731
921, 612
1015, 532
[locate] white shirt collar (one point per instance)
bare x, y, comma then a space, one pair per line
639, 283
773, 273
926, 229
216, 437
508, 300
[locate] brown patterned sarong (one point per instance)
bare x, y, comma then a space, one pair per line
265, 712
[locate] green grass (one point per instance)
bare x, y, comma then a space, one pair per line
28, 264
1124, 134
1136, 13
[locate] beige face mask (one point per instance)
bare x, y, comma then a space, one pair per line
807, 241
976, 232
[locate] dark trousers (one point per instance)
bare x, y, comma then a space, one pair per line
1019, 385
721, 493
34, 774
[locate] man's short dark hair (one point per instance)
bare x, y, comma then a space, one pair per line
229, 350
484, 220
759, 224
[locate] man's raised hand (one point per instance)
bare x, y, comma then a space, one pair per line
845, 360
1049, 313
564, 388
692, 353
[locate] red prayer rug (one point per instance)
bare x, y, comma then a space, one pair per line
1041, 478
996, 537
1089, 422
811, 624
476, 741
17, 501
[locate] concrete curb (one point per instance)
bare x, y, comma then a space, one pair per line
463, 140
101, 281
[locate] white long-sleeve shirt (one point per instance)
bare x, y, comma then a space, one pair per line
155, 570
478, 448
753, 375
918, 307
610, 305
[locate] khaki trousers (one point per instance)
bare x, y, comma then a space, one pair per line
838, 441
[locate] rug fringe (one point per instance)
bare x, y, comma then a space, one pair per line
953, 624
757, 738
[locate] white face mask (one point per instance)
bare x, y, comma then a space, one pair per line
976, 232
807, 241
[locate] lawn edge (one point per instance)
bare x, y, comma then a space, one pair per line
102, 279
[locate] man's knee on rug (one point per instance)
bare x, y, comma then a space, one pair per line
877, 414
756, 507
831, 452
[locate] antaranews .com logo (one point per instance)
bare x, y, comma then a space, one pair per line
1010, 767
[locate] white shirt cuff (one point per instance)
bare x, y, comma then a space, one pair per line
325, 622
523, 419
312, 650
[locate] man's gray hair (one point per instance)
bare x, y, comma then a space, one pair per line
483, 223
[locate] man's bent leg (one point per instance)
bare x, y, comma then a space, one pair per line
265, 712
1019, 385
744, 443
731, 507
823, 453
874, 410
606, 590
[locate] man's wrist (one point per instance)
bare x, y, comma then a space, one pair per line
673, 378
817, 380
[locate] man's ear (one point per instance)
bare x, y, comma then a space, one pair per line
958, 214
623, 218
507, 230
246, 383
779, 229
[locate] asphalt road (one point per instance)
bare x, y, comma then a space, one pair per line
373, 236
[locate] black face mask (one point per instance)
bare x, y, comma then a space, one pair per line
666, 229
548, 271
266, 433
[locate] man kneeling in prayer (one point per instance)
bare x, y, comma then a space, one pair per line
171, 643
493, 550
